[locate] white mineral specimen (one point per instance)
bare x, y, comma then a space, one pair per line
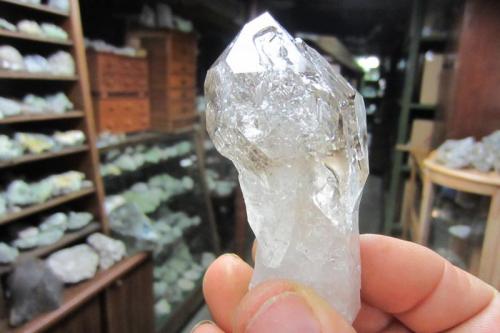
296, 132
74, 264
110, 250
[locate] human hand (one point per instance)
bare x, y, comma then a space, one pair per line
405, 287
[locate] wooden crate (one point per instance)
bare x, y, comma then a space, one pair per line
122, 114
172, 77
115, 75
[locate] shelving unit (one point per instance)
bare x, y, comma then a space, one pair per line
20, 75
34, 38
199, 197
417, 44
44, 156
37, 8
42, 117
83, 158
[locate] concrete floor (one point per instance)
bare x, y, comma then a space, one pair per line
370, 221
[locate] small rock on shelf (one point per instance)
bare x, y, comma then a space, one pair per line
74, 264
110, 250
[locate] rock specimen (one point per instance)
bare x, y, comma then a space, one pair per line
55, 221
466, 153
110, 250
61, 63
29, 27
69, 138
66, 182
9, 107
78, 220
296, 131
49, 237
35, 143
10, 58
8, 254
34, 290
53, 31
74, 264
9, 149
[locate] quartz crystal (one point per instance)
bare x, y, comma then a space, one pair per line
296, 131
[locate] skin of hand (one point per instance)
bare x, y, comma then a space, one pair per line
405, 287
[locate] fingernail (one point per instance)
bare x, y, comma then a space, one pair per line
288, 313
204, 322
232, 255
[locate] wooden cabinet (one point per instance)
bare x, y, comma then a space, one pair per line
119, 299
129, 302
172, 77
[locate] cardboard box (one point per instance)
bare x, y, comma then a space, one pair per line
429, 90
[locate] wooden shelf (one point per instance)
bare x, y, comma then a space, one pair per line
141, 138
30, 210
21, 75
78, 294
34, 38
39, 8
26, 118
44, 156
68, 238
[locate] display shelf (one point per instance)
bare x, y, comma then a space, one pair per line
22, 75
27, 118
142, 137
42, 251
34, 38
40, 8
44, 156
183, 312
30, 210
78, 294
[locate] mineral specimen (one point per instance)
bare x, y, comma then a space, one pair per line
35, 143
9, 107
78, 220
34, 290
49, 237
466, 153
10, 58
6, 25
29, 27
61, 63
74, 264
53, 31
66, 182
296, 132
110, 250
35, 104
8, 254
58, 103
19, 193
35, 63
9, 149
55, 221
69, 138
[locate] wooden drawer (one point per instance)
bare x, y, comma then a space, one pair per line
181, 67
111, 74
122, 114
188, 95
180, 81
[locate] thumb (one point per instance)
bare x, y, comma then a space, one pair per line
282, 306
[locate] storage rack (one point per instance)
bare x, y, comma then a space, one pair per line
115, 184
83, 158
416, 45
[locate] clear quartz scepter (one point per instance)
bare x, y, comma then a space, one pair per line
296, 131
